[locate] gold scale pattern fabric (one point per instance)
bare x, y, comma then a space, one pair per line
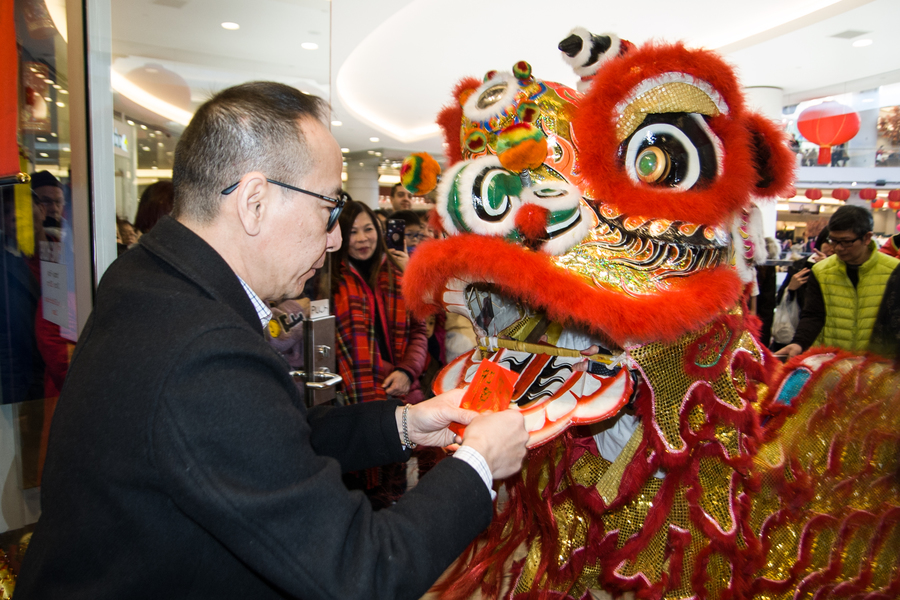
816, 508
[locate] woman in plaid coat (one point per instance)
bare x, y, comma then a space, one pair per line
381, 349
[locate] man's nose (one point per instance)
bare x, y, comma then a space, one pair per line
334, 239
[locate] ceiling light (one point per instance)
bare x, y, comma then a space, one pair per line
309, 46
45, 155
48, 98
862, 43
61, 104
63, 91
41, 139
50, 81
336, 123
144, 98
66, 149
53, 135
374, 139
56, 86
130, 122
370, 152
152, 135
230, 26
345, 150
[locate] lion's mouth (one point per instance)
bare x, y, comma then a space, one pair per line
501, 321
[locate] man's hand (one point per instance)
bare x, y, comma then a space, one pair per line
401, 257
500, 438
799, 279
397, 383
791, 350
427, 421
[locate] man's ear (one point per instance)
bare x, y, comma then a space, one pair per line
252, 198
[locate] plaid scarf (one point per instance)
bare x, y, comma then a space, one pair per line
356, 306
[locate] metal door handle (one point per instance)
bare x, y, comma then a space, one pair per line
326, 379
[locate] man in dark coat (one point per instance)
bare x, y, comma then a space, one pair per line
182, 461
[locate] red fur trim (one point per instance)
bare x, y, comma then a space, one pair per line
678, 541
594, 126
531, 221
565, 297
775, 163
435, 222
450, 120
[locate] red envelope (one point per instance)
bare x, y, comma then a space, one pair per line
490, 391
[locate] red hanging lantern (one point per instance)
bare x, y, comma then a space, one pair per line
868, 194
878, 204
842, 194
894, 205
894, 196
828, 124
814, 194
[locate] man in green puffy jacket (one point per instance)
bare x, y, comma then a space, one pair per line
845, 290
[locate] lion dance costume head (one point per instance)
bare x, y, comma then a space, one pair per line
598, 241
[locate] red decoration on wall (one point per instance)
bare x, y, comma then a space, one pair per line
868, 194
828, 124
894, 196
842, 194
9, 95
814, 194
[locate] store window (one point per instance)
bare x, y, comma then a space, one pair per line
45, 235
855, 129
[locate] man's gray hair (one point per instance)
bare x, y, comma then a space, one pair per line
249, 127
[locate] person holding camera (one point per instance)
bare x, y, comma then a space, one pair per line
380, 348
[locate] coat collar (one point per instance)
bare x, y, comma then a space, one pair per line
190, 255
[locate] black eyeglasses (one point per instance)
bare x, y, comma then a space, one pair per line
843, 243
338, 202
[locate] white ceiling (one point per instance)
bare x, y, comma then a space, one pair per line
394, 62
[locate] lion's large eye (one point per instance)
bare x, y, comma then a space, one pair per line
672, 150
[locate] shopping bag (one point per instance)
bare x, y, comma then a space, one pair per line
787, 316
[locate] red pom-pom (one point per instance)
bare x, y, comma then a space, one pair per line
531, 221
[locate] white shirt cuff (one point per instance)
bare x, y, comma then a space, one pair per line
475, 460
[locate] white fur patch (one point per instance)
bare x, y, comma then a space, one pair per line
443, 196
475, 113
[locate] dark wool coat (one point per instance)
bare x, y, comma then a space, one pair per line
183, 463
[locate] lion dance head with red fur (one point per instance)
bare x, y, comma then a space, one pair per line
599, 241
